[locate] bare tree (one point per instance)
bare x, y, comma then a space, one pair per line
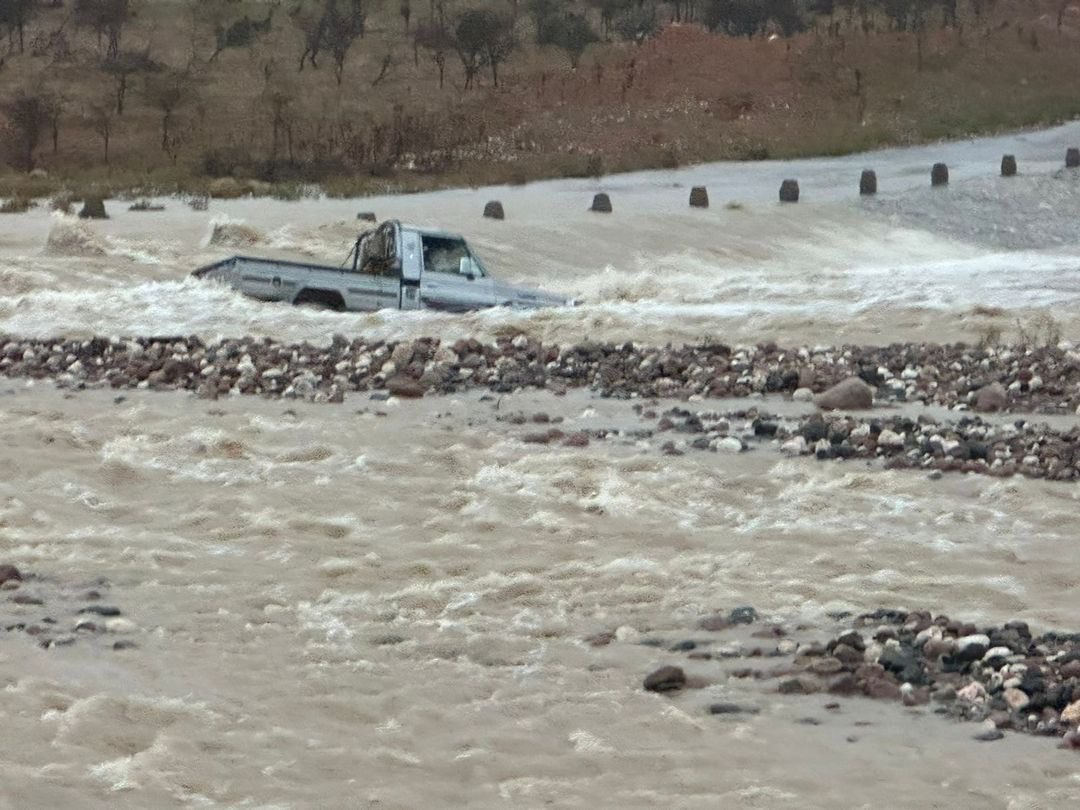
107, 18
122, 67
241, 34
484, 38
14, 16
343, 28
54, 105
436, 40
405, 10
27, 121
101, 119
166, 92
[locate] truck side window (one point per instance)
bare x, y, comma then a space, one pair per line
442, 255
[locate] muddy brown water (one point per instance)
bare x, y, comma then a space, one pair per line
383, 604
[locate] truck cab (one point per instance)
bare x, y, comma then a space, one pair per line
436, 268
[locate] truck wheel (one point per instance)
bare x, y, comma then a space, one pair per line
320, 299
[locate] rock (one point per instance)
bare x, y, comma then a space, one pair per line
802, 395
1072, 157
939, 175
801, 685
847, 395
665, 679
971, 648
601, 204
38, 174
101, 610
845, 684
827, 666
991, 398
9, 573
715, 623
93, 208
990, 735
1071, 669
881, 689
1071, 741
789, 191
795, 447
120, 626
728, 444
1070, 715
1016, 699
732, 708
404, 387
125, 644
868, 183
367, 216
580, 439
743, 615
27, 599
974, 692
847, 655
494, 210
1008, 166
699, 197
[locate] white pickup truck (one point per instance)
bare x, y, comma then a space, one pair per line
394, 266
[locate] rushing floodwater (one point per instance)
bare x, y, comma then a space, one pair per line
336, 608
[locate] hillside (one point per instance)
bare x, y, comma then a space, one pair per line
173, 94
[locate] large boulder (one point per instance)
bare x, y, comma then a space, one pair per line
699, 197
1008, 166
868, 183
847, 395
991, 398
93, 208
9, 572
494, 210
789, 191
939, 175
405, 387
1072, 158
601, 204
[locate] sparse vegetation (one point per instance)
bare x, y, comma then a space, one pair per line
364, 96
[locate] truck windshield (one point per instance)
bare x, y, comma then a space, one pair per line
443, 254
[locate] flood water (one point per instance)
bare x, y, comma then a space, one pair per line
384, 604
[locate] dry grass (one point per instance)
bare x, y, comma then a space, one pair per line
685, 96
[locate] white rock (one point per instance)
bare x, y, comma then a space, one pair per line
888, 438
997, 652
860, 432
973, 692
120, 625
627, 633
803, 395
1016, 699
933, 631
728, 444
967, 641
787, 646
794, 447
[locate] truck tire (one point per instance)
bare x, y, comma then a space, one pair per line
320, 299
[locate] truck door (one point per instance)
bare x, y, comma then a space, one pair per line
411, 270
452, 280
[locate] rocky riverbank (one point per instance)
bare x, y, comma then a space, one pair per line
1004, 677
55, 613
970, 444
1041, 380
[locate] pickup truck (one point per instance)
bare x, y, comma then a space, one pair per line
394, 266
